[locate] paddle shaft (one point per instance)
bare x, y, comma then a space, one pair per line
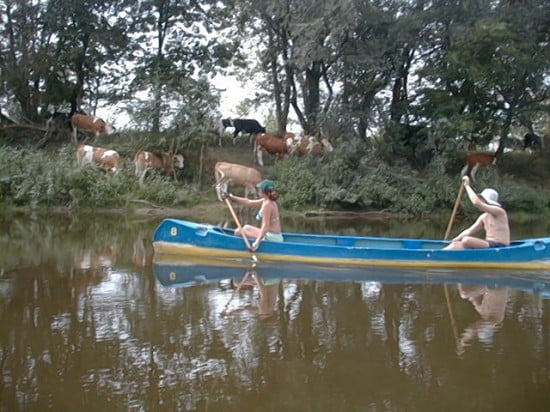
236, 291
238, 223
455, 210
447, 233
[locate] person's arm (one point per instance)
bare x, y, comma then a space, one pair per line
244, 200
476, 227
478, 202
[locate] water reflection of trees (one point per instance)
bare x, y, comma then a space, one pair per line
113, 337
64, 239
129, 340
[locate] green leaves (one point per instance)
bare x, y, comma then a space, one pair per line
39, 179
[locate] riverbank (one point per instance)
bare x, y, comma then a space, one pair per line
218, 211
353, 181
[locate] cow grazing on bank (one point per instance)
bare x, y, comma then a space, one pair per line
145, 161
476, 159
92, 124
532, 141
308, 145
249, 126
236, 175
271, 144
107, 159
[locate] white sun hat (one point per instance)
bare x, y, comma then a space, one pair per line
490, 196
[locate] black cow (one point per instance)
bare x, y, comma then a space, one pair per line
57, 122
532, 141
249, 126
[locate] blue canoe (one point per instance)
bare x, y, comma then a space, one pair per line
183, 238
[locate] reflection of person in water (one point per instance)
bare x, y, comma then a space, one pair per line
491, 306
268, 291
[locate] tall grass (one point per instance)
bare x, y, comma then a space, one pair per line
45, 179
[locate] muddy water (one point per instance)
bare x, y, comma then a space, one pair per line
88, 322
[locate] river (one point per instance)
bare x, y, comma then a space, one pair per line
88, 322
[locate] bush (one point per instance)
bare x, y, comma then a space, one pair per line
354, 178
53, 179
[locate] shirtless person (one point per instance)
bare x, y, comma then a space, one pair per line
493, 220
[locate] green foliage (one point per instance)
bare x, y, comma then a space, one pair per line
492, 77
353, 178
41, 179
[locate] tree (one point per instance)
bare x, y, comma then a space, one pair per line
22, 69
57, 50
493, 74
172, 46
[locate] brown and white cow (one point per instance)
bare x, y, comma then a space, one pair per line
145, 161
306, 145
107, 159
92, 124
237, 175
271, 144
476, 159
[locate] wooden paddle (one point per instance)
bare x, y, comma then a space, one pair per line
447, 233
238, 223
455, 209
239, 286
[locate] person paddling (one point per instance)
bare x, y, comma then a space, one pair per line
270, 228
493, 220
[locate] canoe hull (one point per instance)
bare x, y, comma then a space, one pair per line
182, 238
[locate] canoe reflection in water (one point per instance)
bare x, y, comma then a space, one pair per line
268, 291
490, 304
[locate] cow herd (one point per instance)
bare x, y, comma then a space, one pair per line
110, 161
225, 173
280, 147
248, 177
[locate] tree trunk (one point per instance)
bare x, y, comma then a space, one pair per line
504, 134
201, 162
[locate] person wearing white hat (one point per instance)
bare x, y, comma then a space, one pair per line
493, 220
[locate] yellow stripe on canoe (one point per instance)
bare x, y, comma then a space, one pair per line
173, 250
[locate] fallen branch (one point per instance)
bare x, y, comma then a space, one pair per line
24, 126
146, 202
381, 214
